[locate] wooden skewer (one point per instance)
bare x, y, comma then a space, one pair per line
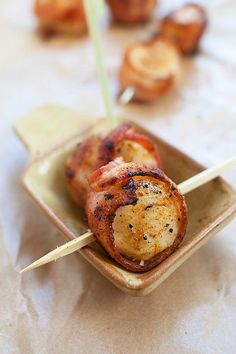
127, 95
81, 241
206, 176
64, 250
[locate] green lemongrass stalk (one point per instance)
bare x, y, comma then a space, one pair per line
94, 10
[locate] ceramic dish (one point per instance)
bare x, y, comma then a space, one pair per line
51, 133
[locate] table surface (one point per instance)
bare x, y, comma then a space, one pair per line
67, 306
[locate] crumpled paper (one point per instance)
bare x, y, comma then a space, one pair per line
67, 306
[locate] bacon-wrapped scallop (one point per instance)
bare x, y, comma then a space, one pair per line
79, 166
130, 144
151, 68
136, 213
132, 11
61, 16
124, 141
185, 27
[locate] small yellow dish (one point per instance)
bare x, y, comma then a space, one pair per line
51, 133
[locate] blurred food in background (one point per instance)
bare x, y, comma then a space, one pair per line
185, 26
61, 16
151, 68
132, 11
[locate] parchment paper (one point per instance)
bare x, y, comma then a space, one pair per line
67, 306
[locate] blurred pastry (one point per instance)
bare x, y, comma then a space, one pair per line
185, 27
131, 11
151, 68
61, 16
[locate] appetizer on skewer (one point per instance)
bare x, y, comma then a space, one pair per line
132, 11
136, 213
151, 68
133, 209
185, 27
87, 238
124, 141
61, 16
